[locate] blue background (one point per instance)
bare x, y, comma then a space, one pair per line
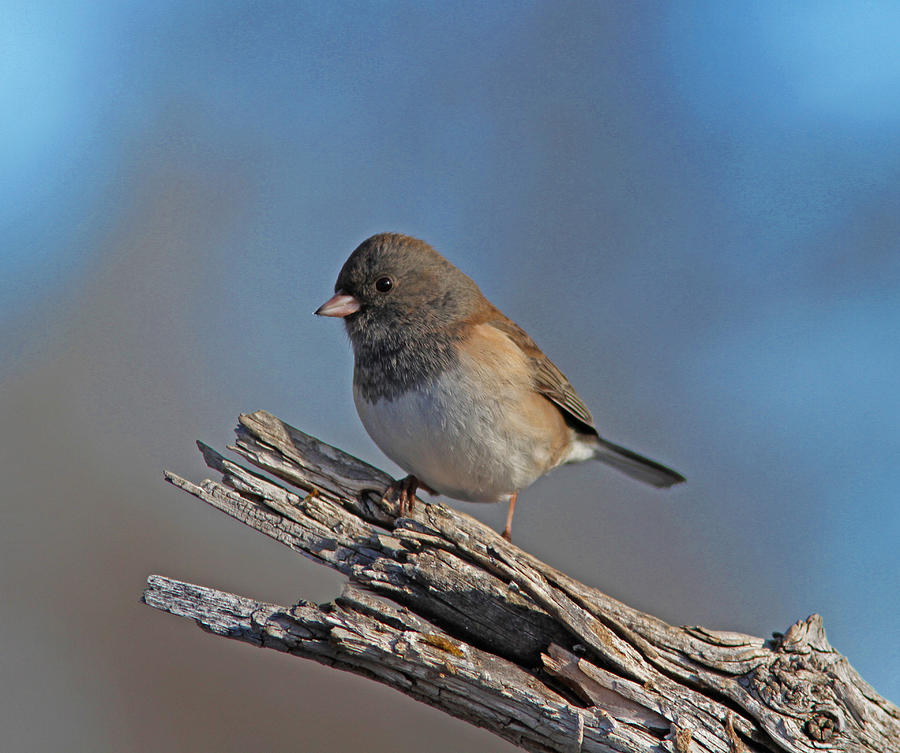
693, 208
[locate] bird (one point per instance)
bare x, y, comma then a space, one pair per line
452, 390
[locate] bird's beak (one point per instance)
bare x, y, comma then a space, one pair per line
340, 304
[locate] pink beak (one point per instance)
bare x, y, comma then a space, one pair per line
340, 304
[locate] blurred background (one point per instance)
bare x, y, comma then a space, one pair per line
691, 207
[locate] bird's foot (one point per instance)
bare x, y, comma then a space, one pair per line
404, 493
507, 531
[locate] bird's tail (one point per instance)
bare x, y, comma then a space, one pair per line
636, 466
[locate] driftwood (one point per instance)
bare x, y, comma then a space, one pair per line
443, 609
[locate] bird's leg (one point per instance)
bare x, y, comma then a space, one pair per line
507, 532
405, 492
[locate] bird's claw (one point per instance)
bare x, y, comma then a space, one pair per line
403, 492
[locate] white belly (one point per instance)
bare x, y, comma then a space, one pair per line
458, 446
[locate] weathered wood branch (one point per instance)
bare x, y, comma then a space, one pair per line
442, 608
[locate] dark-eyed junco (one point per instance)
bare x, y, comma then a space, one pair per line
452, 390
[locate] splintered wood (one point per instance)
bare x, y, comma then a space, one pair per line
443, 609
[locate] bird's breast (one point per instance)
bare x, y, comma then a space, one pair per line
469, 433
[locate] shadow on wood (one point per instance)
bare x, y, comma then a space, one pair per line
442, 608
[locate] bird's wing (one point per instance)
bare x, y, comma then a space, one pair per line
548, 379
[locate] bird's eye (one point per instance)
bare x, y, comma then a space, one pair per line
383, 284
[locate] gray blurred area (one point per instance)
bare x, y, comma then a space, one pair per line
693, 212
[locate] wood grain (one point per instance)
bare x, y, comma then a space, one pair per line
443, 609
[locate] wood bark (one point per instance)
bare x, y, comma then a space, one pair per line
441, 608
